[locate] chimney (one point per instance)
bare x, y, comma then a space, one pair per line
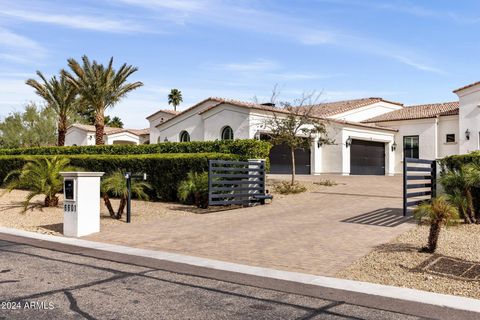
268, 104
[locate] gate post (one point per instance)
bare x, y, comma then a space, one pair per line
434, 179
404, 186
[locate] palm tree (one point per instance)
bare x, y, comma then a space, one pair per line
100, 87
116, 185
175, 98
60, 95
39, 176
460, 182
114, 122
438, 212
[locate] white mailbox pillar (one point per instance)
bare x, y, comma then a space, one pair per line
81, 208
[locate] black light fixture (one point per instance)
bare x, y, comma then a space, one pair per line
394, 146
467, 134
166, 139
348, 143
319, 143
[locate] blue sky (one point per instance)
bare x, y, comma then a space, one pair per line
408, 51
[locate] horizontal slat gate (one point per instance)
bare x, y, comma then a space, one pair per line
418, 174
235, 182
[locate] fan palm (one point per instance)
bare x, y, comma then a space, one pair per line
460, 182
100, 87
438, 212
60, 95
115, 184
39, 176
194, 189
175, 98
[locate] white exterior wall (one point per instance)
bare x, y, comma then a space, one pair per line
336, 157
469, 118
191, 121
226, 115
122, 138
367, 112
154, 121
448, 125
79, 137
426, 131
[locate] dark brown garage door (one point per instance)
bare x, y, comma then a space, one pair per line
367, 158
281, 160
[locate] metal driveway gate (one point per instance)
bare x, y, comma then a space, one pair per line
236, 182
419, 181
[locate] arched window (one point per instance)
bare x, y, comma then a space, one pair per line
227, 133
184, 136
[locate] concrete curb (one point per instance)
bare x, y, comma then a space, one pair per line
406, 294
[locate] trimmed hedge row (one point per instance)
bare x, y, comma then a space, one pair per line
456, 161
165, 171
246, 149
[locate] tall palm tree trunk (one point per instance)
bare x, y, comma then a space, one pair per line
292, 150
62, 130
99, 128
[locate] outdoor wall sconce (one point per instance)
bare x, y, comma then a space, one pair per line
467, 134
319, 144
394, 146
165, 140
348, 143
257, 135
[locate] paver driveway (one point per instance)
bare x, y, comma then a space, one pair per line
318, 232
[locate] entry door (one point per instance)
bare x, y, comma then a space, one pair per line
367, 158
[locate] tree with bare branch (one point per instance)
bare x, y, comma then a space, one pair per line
295, 125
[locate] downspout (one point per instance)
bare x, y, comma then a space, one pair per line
436, 137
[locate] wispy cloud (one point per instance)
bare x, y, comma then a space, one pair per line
253, 66
19, 49
91, 22
418, 65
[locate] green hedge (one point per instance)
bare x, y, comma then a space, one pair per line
456, 161
246, 149
165, 171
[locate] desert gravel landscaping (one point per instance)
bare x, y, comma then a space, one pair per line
453, 269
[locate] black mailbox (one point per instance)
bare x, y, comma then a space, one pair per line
69, 189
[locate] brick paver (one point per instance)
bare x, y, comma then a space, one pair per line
318, 232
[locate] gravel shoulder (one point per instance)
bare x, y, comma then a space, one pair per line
453, 269
50, 220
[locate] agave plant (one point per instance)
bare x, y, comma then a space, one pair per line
39, 176
194, 189
438, 212
115, 184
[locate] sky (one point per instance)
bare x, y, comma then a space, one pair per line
408, 51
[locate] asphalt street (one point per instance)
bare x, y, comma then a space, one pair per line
42, 283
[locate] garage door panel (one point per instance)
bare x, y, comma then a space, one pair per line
367, 158
281, 160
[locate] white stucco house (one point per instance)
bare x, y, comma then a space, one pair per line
84, 135
372, 135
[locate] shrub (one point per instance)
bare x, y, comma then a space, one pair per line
285, 187
164, 171
39, 176
326, 183
194, 189
115, 184
246, 149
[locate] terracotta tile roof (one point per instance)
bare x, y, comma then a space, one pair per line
110, 130
466, 87
418, 112
329, 109
256, 106
172, 112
